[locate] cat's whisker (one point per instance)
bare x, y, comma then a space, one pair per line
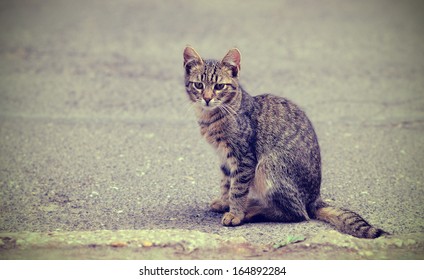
230, 109
187, 107
230, 112
223, 111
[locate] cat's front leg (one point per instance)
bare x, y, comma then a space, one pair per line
222, 204
238, 197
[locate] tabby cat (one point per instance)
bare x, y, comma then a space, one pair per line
268, 149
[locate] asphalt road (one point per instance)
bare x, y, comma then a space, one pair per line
96, 131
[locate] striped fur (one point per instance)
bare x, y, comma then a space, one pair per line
348, 222
269, 152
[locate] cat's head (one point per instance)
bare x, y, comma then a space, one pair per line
211, 83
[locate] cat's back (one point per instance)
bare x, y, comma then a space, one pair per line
281, 124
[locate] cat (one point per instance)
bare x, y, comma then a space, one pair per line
268, 149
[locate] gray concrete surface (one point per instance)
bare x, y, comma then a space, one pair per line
96, 132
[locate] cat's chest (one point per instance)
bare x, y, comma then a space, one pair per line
217, 129
228, 134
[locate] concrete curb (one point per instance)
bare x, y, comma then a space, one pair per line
190, 244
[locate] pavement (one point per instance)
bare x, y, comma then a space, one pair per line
96, 133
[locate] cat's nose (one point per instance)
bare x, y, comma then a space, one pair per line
207, 100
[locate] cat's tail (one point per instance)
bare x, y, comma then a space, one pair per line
348, 222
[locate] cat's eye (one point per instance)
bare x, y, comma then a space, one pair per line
219, 86
198, 85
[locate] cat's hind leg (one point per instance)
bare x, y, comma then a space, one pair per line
285, 205
279, 197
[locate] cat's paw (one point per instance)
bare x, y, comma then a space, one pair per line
229, 219
219, 206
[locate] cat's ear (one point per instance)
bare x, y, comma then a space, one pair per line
191, 57
232, 60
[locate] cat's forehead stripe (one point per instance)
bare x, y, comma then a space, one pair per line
209, 73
